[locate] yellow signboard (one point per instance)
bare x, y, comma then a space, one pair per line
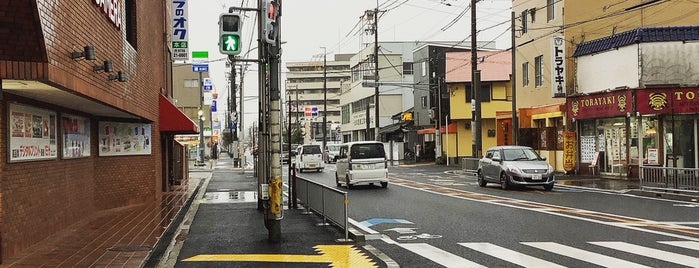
570, 144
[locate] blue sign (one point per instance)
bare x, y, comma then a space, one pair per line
200, 68
213, 105
208, 87
234, 127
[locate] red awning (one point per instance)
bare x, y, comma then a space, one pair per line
173, 120
426, 131
451, 128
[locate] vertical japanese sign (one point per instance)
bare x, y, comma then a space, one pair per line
570, 144
558, 67
32, 133
179, 31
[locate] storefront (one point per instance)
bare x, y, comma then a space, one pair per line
611, 141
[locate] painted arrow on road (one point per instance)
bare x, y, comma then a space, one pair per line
375, 221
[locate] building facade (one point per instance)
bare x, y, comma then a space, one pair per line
633, 84
541, 77
84, 87
306, 96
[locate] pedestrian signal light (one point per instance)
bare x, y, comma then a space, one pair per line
229, 26
271, 11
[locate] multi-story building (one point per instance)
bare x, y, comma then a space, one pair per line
395, 91
495, 97
87, 122
541, 79
188, 96
311, 86
634, 84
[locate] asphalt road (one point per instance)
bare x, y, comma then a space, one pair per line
430, 218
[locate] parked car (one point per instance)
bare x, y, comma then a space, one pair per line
515, 165
361, 162
309, 157
331, 152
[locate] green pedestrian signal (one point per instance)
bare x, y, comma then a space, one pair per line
229, 34
230, 44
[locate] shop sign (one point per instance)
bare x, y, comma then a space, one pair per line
558, 66
569, 150
179, 31
667, 101
112, 10
609, 104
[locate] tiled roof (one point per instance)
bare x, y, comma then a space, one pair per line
638, 35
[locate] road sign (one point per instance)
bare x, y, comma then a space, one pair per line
200, 68
208, 84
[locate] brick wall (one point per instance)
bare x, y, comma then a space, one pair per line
40, 198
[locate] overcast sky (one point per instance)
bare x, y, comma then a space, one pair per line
308, 25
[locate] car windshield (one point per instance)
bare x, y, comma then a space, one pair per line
362, 151
520, 154
311, 149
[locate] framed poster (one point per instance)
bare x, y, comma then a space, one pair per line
76, 136
117, 138
32, 133
652, 156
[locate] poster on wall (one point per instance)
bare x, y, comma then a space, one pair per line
117, 138
32, 133
76, 136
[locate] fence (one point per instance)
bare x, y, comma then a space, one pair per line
469, 164
669, 178
329, 203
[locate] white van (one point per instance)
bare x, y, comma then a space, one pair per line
309, 157
361, 162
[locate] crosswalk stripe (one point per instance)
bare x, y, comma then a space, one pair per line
439, 256
684, 244
582, 255
651, 252
509, 255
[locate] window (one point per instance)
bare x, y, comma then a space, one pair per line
191, 83
550, 12
423, 67
532, 13
539, 71
485, 93
423, 101
525, 74
524, 20
345, 114
131, 25
407, 68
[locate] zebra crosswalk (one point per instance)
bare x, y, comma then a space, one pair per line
600, 253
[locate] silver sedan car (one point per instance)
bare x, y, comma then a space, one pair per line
515, 165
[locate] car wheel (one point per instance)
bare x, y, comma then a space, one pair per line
481, 180
384, 184
337, 180
548, 187
504, 181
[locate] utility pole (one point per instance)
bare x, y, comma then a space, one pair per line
200, 113
234, 110
376, 71
325, 97
475, 84
513, 79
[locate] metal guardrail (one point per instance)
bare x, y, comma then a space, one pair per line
670, 179
469, 164
330, 203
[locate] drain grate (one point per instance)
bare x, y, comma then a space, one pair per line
129, 248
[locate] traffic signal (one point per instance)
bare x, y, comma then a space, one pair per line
270, 9
229, 26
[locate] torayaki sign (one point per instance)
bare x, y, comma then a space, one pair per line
608, 104
667, 100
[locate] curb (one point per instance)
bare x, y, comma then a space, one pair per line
665, 195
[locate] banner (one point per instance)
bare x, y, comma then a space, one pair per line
570, 145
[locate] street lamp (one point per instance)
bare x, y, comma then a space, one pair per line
325, 97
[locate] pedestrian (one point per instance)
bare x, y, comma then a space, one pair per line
214, 151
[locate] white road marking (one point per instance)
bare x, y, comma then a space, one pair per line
684, 244
583, 255
651, 253
439, 256
509, 255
